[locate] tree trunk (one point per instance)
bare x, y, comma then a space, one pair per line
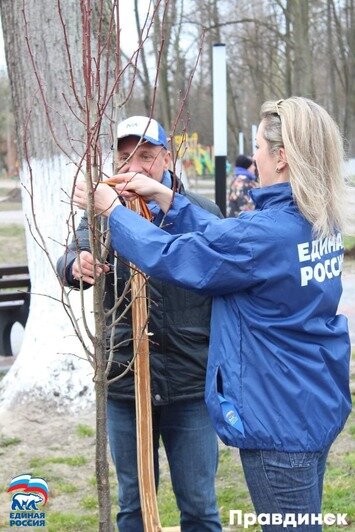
147, 96
349, 126
45, 367
333, 100
288, 53
303, 70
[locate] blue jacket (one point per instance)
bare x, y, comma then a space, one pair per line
278, 372
239, 170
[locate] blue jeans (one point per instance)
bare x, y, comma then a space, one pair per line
191, 447
281, 483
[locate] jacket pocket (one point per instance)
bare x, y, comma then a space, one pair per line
225, 416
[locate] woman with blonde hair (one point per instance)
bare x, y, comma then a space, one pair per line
278, 372
315, 159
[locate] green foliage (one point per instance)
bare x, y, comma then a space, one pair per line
349, 242
169, 515
11, 231
59, 487
12, 244
89, 503
84, 431
68, 522
92, 481
6, 442
232, 492
75, 461
349, 459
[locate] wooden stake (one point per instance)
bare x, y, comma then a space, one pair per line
149, 504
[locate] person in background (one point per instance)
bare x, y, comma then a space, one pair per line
278, 369
179, 322
243, 182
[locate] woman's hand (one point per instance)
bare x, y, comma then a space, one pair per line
105, 198
131, 184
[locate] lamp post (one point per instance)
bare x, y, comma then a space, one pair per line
241, 143
220, 123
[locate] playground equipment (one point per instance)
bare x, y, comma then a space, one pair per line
196, 159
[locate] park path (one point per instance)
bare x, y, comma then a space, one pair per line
11, 218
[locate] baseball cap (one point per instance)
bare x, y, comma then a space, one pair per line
143, 126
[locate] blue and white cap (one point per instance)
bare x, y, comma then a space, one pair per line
143, 127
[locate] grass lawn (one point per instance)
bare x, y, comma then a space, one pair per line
349, 243
9, 206
12, 245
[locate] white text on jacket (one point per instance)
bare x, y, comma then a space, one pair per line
317, 252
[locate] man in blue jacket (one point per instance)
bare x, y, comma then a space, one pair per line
179, 322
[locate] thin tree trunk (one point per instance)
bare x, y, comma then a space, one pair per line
333, 100
303, 71
147, 93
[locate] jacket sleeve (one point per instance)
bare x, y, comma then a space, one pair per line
184, 216
215, 259
80, 242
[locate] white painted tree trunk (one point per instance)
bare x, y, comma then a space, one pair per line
48, 366
42, 78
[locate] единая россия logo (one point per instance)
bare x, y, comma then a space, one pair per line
29, 492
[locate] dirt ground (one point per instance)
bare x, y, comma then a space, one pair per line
48, 445
42, 436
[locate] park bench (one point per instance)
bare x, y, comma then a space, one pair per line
15, 288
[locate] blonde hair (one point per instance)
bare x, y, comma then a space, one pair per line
315, 157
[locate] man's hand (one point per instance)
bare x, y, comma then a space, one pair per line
84, 268
105, 198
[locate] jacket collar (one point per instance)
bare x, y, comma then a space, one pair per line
272, 196
172, 181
